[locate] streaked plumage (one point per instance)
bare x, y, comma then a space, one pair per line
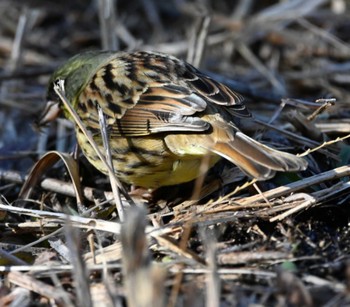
163, 116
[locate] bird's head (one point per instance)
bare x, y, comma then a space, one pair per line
75, 73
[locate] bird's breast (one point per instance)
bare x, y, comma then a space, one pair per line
148, 161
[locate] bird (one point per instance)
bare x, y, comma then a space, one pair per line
163, 117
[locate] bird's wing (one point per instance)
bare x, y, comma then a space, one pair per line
166, 108
177, 107
215, 92
158, 95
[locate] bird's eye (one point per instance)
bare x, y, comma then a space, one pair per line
57, 82
58, 85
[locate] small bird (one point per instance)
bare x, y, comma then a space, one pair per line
163, 117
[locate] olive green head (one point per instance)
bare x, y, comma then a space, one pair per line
75, 73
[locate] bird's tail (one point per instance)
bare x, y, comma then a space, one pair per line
257, 160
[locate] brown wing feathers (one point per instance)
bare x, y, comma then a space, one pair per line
215, 92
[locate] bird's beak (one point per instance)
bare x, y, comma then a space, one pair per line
50, 113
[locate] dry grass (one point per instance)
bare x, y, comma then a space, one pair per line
221, 241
